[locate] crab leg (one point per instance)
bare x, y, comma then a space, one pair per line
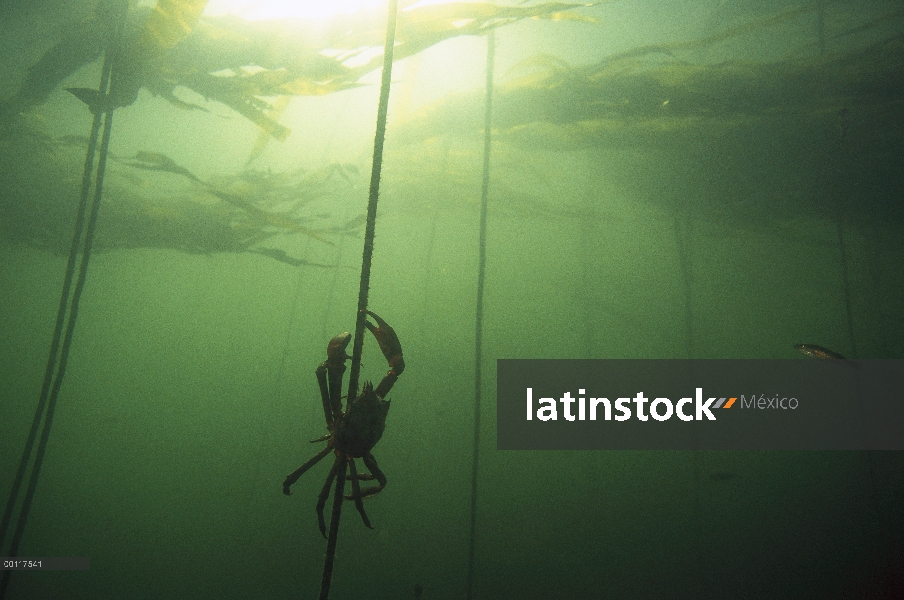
371, 463
325, 394
356, 493
294, 475
325, 493
329, 376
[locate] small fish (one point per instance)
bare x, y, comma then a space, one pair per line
281, 256
818, 352
721, 476
825, 354
155, 161
418, 590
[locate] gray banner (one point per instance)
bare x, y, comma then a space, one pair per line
802, 404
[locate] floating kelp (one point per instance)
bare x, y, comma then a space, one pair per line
769, 144
243, 64
655, 94
183, 212
239, 63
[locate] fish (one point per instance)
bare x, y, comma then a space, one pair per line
822, 353
281, 256
418, 590
818, 352
155, 161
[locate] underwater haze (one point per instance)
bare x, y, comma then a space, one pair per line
681, 179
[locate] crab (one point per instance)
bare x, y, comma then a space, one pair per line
354, 432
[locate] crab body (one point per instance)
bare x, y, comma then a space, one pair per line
361, 427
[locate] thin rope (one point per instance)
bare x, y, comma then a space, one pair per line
840, 216
845, 283
478, 334
62, 311
841, 212
338, 497
684, 231
372, 202
365, 283
59, 352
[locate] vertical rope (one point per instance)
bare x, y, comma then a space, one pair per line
840, 216
59, 351
372, 201
478, 328
684, 230
338, 497
365, 284
821, 26
841, 213
846, 284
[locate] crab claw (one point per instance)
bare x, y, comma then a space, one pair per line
335, 350
388, 341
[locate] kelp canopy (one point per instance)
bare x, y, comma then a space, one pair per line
251, 67
297, 57
651, 94
763, 139
673, 99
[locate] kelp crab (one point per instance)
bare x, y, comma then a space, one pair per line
354, 432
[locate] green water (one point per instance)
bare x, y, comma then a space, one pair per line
190, 390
